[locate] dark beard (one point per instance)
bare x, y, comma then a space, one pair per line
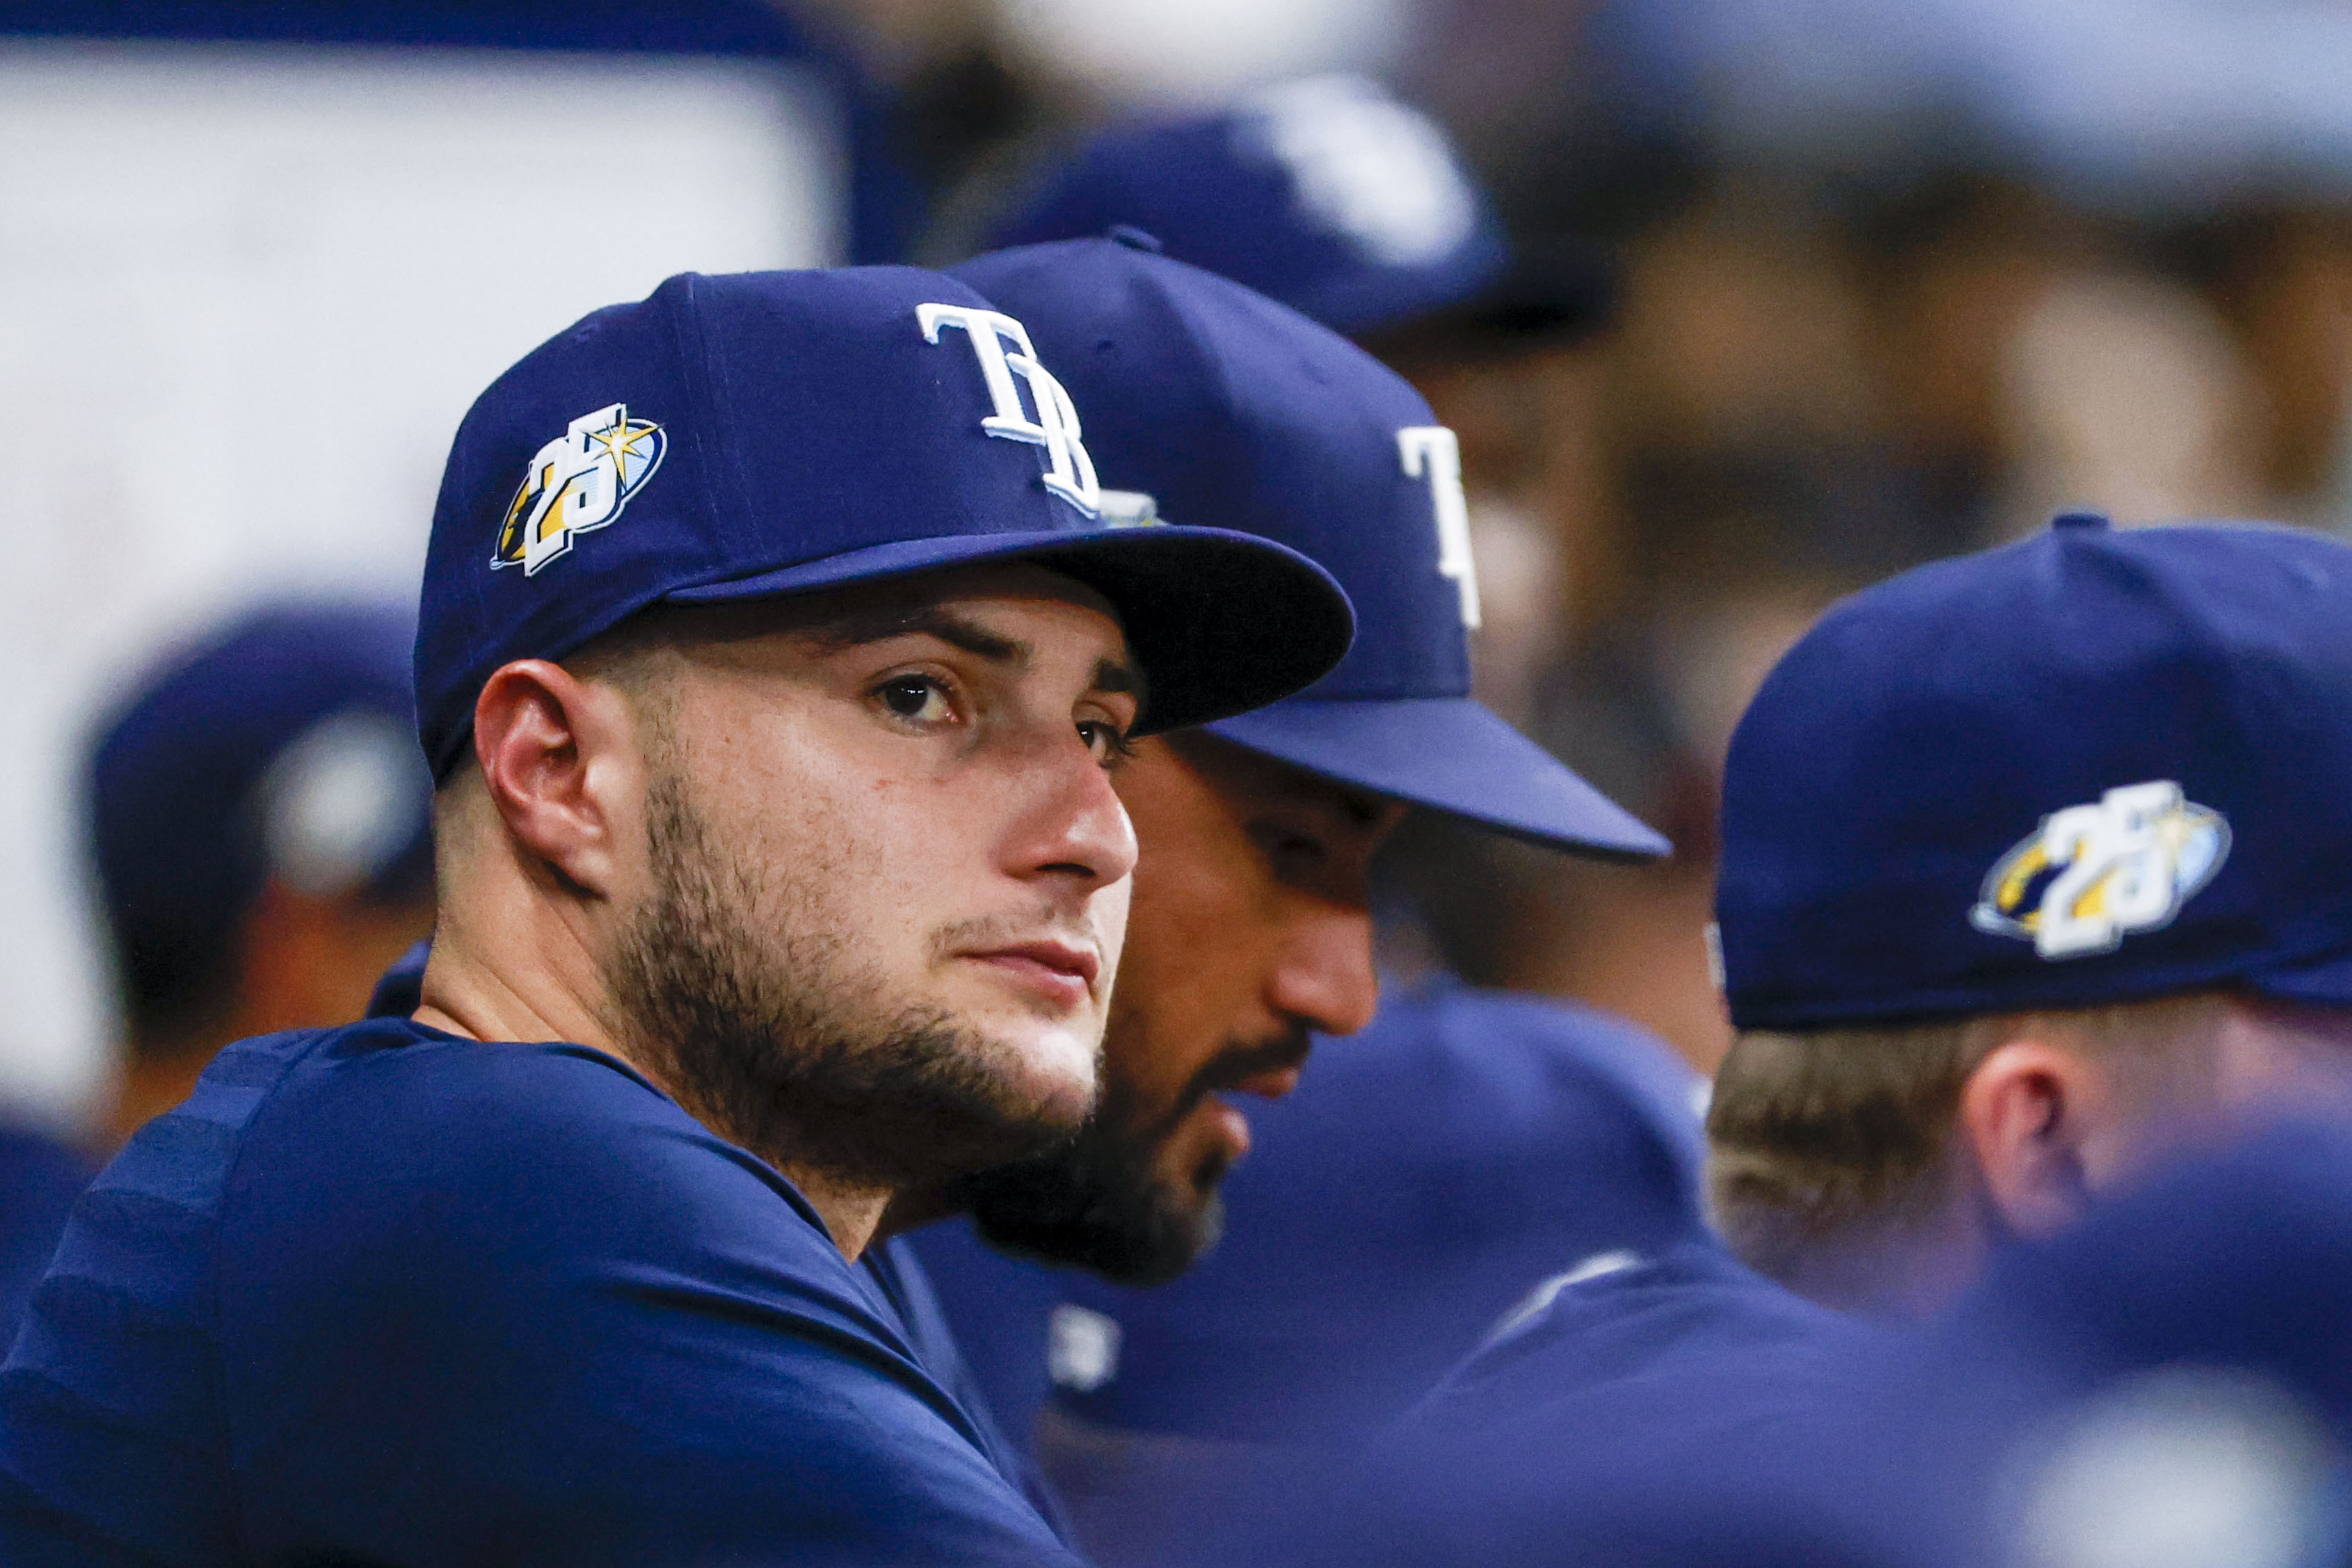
755, 1018
1100, 1203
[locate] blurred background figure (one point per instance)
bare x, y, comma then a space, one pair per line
258, 822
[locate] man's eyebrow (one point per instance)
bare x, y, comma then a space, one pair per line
1114, 674
880, 624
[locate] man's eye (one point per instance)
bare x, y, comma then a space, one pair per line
1292, 853
916, 698
1107, 741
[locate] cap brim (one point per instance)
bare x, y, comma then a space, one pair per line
1554, 296
2323, 981
1220, 622
1451, 754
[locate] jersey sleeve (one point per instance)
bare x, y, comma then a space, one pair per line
538, 1315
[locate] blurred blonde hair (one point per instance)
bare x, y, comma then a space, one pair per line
1819, 1139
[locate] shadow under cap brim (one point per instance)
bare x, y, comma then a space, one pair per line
1220, 622
2325, 981
1451, 754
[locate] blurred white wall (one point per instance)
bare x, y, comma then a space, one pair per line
246, 294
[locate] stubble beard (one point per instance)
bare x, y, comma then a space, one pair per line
756, 1013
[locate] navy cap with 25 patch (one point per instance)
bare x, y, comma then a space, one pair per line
2093, 766
762, 434
1209, 403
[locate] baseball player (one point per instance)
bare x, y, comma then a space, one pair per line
1252, 931
771, 664
2032, 876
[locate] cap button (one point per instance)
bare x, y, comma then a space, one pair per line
2080, 519
1134, 239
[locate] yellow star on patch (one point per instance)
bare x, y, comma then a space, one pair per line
620, 442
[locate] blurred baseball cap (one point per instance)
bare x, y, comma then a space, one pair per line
762, 433
280, 747
2093, 766
1330, 195
1212, 404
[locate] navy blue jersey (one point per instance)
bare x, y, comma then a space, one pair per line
1426, 1175
898, 1272
999, 1312
40, 1179
1618, 1421
380, 1294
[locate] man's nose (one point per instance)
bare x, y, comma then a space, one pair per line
1325, 977
1073, 827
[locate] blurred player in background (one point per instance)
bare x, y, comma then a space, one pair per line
1435, 1168
800, 882
2031, 878
257, 821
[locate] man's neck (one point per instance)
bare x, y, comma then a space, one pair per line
911, 1207
852, 1212
1899, 1273
478, 1002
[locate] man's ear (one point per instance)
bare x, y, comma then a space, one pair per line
560, 759
2025, 1113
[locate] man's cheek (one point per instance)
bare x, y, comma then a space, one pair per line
1111, 908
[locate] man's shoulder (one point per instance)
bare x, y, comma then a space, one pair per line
295, 1124
1578, 1428
1690, 1328
467, 1155
387, 1157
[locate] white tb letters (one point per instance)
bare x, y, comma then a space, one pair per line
1069, 471
1430, 452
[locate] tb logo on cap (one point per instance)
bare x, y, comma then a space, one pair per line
2092, 875
1069, 471
578, 481
1432, 452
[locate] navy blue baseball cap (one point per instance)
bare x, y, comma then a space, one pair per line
1326, 194
1212, 404
770, 433
282, 746
2085, 768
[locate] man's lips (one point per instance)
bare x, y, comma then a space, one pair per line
1271, 1084
1061, 970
